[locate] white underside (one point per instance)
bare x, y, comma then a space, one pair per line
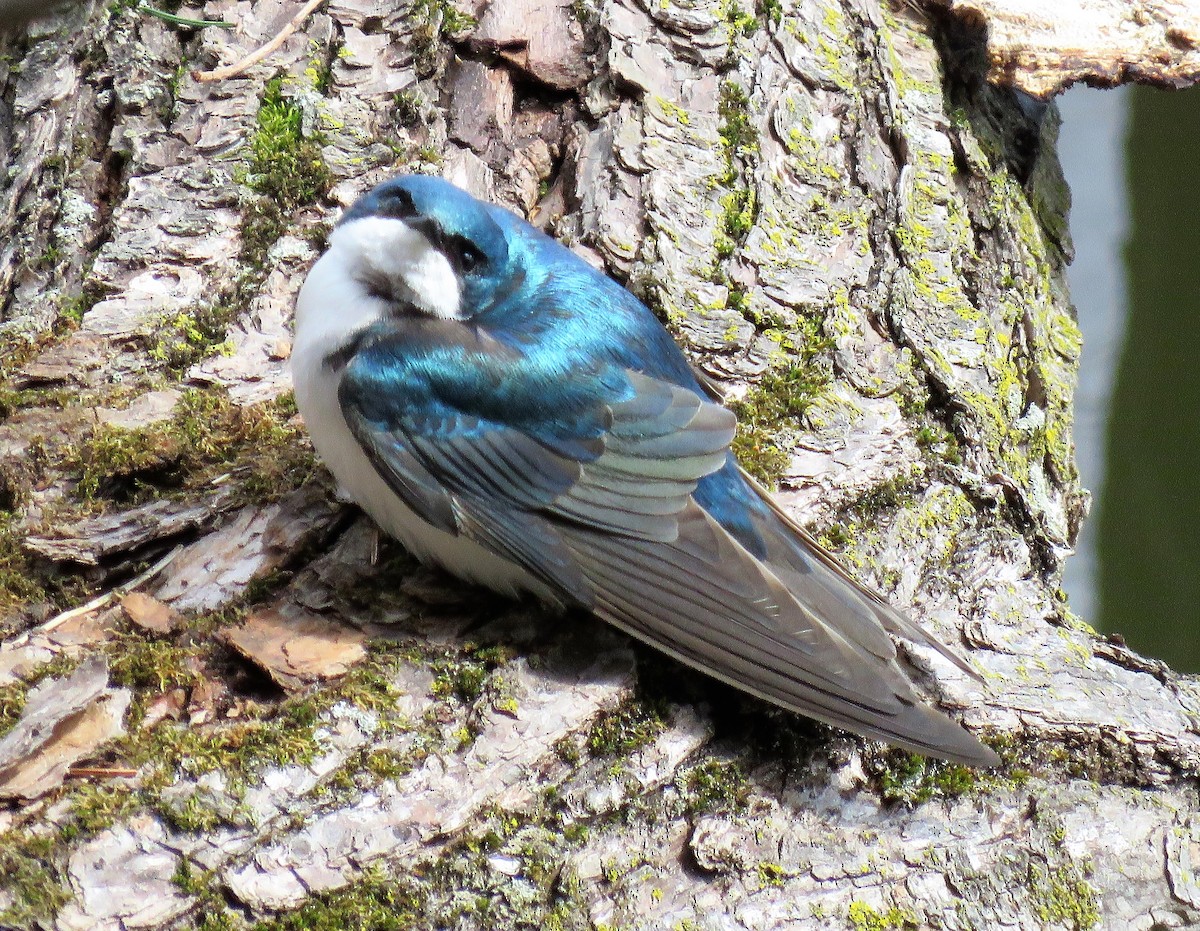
334, 305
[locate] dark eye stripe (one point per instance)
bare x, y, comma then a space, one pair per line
398, 204
459, 251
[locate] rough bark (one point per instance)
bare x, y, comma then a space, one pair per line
847, 228
1043, 49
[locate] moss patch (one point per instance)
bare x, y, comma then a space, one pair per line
904, 778
12, 703
181, 340
739, 146
1062, 896
865, 918
264, 736
377, 902
208, 435
433, 21
715, 785
627, 729
13, 696
781, 396
34, 877
465, 676
286, 168
19, 584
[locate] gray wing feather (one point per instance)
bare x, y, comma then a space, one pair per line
621, 534
870, 616
719, 609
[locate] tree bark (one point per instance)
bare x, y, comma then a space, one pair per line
848, 229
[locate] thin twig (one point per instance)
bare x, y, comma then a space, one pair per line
107, 598
183, 20
232, 71
101, 772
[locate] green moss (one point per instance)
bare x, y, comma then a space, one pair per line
279, 736
567, 750
12, 703
96, 807
407, 108
770, 10
211, 911
273, 734
207, 435
994, 288
465, 676
432, 22
33, 876
182, 339
739, 139
897, 491
188, 879
865, 918
387, 764
672, 110
739, 211
370, 684
195, 814
781, 396
285, 167
909, 779
149, 667
739, 203
19, 584
1061, 895
72, 310
627, 729
462, 888
939, 443
464, 680
115, 457
377, 903
369, 767
263, 222
740, 22
769, 874
715, 785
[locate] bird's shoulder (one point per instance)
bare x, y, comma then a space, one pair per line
568, 306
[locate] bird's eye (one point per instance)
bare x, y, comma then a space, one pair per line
469, 258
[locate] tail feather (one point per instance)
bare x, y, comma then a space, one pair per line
869, 604
808, 639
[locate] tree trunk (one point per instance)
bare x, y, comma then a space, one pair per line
844, 225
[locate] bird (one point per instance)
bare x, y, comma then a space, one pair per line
517, 417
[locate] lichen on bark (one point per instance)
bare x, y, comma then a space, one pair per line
845, 227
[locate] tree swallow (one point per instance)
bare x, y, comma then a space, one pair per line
513, 415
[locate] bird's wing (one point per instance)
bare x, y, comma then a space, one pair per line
802, 640
626, 466
597, 502
796, 550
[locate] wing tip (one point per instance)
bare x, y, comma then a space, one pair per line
930, 732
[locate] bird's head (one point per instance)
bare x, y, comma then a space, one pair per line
424, 245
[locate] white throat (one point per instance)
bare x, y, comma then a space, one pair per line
371, 263
381, 257
342, 296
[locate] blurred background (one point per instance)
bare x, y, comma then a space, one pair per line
1132, 159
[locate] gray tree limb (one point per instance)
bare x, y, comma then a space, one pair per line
851, 231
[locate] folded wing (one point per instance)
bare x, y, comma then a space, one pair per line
607, 517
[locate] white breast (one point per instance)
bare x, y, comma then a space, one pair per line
332, 307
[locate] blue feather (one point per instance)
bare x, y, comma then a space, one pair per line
554, 423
